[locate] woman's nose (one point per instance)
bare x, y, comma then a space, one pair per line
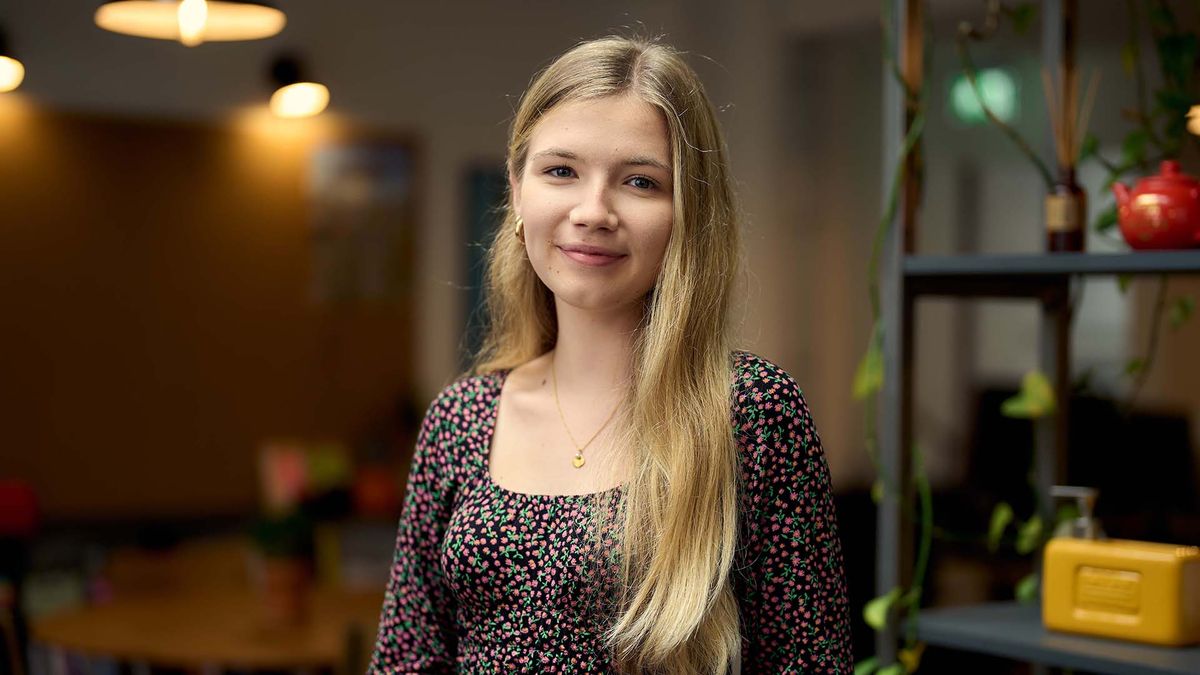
594, 209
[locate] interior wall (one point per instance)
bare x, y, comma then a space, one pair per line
155, 279
797, 90
418, 69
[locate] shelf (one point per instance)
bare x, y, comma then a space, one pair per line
1032, 275
1052, 264
1015, 631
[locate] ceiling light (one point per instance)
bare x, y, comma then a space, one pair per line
294, 96
191, 21
12, 71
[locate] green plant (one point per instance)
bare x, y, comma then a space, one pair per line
1159, 116
1158, 132
284, 535
1036, 399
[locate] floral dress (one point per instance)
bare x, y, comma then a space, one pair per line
487, 580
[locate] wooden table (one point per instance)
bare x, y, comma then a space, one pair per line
215, 629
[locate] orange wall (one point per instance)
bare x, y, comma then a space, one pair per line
157, 324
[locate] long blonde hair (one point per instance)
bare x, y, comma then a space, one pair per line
676, 611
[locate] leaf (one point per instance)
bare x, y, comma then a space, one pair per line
1128, 58
1133, 150
894, 669
1002, 515
875, 613
1172, 103
1016, 407
1066, 512
1036, 398
869, 378
866, 666
1027, 588
1135, 366
1162, 18
1090, 146
1181, 310
911, 658
1123, 282
1022, 17
1064, 519
1176, 54
1029, 535
1106, 219
877, 491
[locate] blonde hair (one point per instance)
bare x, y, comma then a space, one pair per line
676, 611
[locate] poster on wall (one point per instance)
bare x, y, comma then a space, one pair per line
362, 223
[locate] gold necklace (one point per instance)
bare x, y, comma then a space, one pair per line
577, 462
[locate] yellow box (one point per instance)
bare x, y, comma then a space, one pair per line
1130, 590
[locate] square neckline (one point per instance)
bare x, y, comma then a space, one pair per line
499, 377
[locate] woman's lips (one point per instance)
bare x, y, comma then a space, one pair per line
591, 259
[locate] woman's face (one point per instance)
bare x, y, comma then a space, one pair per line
595, 195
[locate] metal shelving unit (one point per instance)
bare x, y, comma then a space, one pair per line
1004, 629
1015, 631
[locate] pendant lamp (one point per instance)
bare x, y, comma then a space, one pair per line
12, 71
192, 22
294, 95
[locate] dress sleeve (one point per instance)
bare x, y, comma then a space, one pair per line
417, 626
790, 580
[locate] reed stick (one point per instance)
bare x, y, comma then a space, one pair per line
1068, 119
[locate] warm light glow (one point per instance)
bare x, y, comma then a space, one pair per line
303, 99
12, 72
1194, 120
193, 15
191, 21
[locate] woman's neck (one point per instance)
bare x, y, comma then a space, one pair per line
593, 353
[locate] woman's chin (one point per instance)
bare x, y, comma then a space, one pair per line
590, 301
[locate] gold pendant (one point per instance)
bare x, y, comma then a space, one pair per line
578, 461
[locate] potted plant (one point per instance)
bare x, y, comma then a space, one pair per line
285, 542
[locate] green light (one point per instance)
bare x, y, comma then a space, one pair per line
999, 91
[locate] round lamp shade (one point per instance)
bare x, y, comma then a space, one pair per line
12, 72
191, 21
302, 99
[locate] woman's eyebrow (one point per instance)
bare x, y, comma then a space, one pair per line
640, 160
556, 152
648, 161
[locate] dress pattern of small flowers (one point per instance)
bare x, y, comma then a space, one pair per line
487, 580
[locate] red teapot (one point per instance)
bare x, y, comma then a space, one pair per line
1161, 211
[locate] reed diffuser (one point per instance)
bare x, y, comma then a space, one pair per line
1066, 205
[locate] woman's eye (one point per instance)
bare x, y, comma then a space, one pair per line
560, 172
642, 182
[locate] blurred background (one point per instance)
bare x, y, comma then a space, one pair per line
223, 321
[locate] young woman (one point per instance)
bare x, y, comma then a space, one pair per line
613, 488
